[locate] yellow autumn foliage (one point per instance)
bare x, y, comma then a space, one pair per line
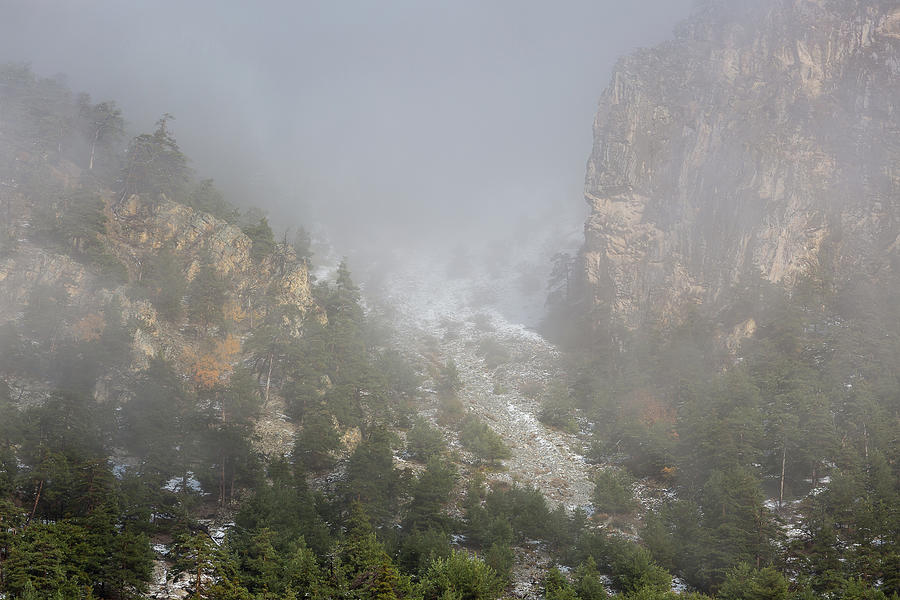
234, 312
214, 366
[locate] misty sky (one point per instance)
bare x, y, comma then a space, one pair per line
396, 116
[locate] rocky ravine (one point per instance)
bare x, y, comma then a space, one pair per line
428, 308
765, 133
431, 311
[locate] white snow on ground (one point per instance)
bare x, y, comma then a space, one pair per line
217, 531
175, 484
458, 313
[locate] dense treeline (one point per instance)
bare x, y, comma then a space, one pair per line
783, 454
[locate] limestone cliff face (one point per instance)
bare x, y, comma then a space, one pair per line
140, 228
764, 131
136, 230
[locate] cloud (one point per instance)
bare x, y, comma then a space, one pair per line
384, 120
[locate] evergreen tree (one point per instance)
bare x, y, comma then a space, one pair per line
745, 583
371, 478
460, 576
430, 493
155, 164
314, 447
260, 233
103, 127
165, 283
158, 422
588, 585
424, 442
206, 296
556, 587
612, 492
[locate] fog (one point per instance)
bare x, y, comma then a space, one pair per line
693, 395
385, 122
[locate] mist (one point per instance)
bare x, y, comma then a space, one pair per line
386, 123
459, 379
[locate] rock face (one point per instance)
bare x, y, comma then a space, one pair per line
138, 229
765, 134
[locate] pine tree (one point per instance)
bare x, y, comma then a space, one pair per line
430, 493
155, 164
206, 296
461, 575
371, 477
317, 441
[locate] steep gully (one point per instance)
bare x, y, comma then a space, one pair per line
449, 318
453, 316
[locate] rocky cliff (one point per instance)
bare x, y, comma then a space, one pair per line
763, 135
134, 231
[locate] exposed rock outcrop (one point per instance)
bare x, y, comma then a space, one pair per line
763, 133
138, 229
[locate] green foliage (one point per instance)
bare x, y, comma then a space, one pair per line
741, 528
206, 296
854, 589
634, 570
262, 237
77, 224
399, 374
460, 576
424, 441
196, 554
302, 245
227, 445
612, 492
155, 164
448, 381
558, 408
481, 440
48, 558
501, 558
89, 554
365, 564
314, 447
556, 587
164, 282
286, 507
745, 583
421, 547
430, 493
158, 422
503, 516
588, 585
808, 402
371, 478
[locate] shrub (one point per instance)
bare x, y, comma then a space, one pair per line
460, 576
612, 492
558, 409
424, 441
493, 352
482, 441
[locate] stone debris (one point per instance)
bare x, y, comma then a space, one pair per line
433, 311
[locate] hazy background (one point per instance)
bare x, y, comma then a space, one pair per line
388, 121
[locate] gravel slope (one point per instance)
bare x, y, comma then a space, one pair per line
428, 310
